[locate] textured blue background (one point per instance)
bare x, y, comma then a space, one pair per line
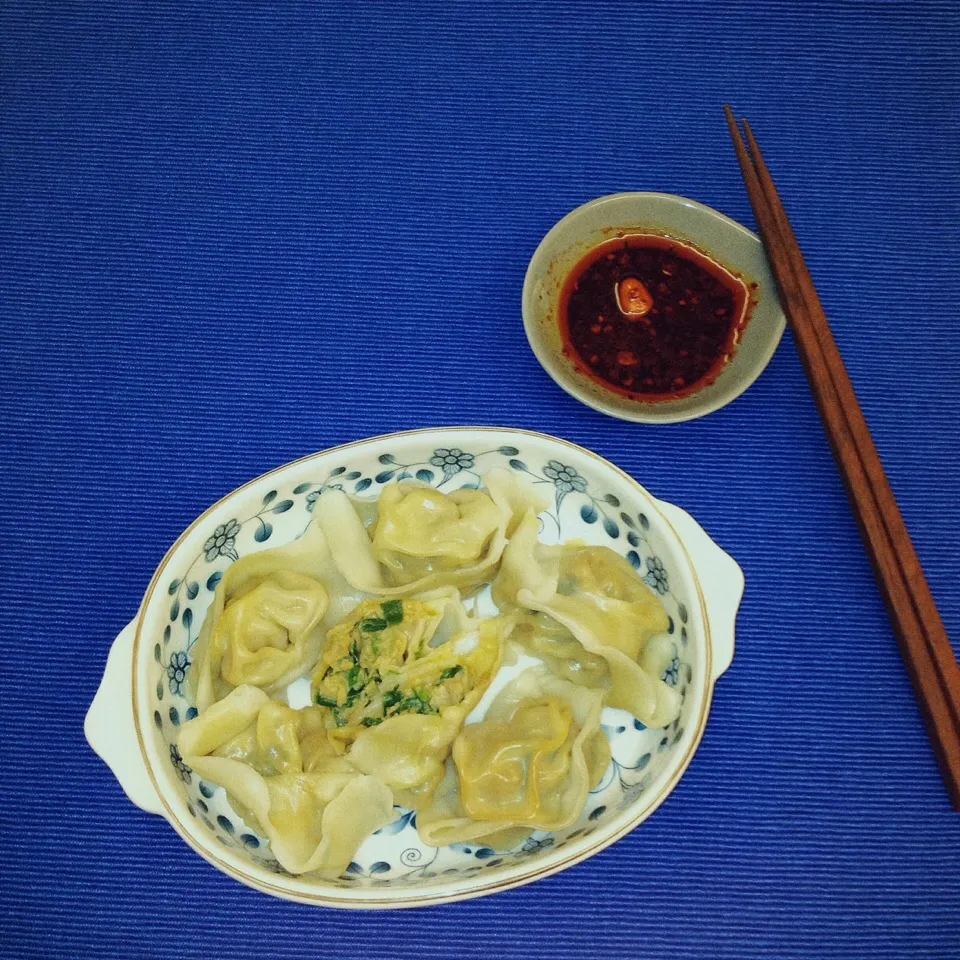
231, 235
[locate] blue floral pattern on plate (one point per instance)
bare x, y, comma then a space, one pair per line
580, 506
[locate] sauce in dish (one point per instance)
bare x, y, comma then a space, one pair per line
651, 318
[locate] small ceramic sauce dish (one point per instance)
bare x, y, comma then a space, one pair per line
651, 307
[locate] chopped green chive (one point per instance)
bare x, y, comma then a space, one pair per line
373, 625
371, 721
393, 611
418, 702
323, 701
450, 672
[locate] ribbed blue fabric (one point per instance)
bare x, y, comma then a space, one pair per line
232, 234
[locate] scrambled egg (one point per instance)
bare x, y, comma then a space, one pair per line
379, 663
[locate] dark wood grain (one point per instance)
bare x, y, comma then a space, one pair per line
917, 624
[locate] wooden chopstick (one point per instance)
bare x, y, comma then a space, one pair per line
893, 521
923, 640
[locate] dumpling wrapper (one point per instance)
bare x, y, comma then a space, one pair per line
606, 606
528, 765
424, 538
540, 636
269, 613
527, 564
315, 820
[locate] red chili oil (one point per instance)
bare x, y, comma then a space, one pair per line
652, 318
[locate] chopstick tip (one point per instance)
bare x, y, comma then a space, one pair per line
732, 123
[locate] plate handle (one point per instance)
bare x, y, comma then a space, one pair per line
721, 580
109, 726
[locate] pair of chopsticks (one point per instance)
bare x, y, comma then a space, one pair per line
923, 640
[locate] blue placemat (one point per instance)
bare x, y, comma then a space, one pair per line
233, 234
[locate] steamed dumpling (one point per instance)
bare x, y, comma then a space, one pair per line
527, 765
423, 538
265, 635
268, 617
612, 612
365, 671
421, 531
598, 597
408, 748
314, 815
267, 632
396, 680
510, 770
